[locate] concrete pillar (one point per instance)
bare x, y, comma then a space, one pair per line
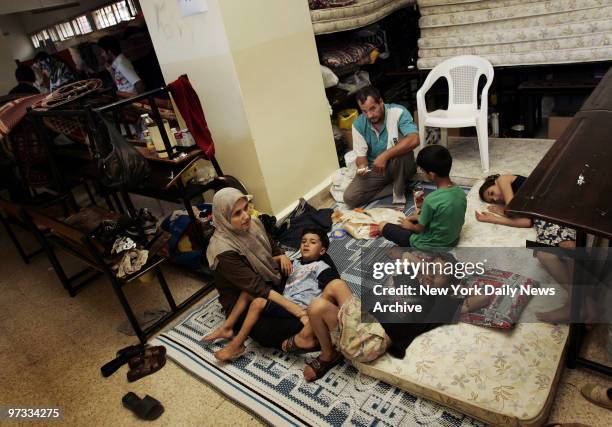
254, 65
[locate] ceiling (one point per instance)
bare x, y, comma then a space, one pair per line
7, 7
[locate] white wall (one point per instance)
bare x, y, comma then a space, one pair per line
7, 67
18, 42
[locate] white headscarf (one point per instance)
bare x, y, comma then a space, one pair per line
252, 244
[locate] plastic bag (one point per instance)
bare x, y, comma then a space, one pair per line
329, 78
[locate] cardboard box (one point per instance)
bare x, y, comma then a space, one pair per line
557, 125
451, 131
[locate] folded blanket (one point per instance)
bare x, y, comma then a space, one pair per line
363, 224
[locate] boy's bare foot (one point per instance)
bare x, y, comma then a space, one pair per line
560, 315
229, 352
222, 332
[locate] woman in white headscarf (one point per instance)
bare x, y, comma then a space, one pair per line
243, 258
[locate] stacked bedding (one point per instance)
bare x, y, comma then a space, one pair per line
515, 32
354, 15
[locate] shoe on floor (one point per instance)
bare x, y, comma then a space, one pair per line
598, 395
151, 364
147, 408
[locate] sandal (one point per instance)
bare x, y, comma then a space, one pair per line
157, 351
123, 357
292, 347
321, 367
146, 409
149, 366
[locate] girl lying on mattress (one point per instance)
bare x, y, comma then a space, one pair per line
499, 190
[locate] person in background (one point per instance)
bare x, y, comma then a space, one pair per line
384, 137
120, 68
25, 78
55, 70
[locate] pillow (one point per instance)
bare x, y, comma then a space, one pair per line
341, 58
503, 311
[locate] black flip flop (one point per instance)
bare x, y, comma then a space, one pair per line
292, 347
321, 367
146, 409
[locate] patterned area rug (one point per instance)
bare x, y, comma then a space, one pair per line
269, 383
348, 253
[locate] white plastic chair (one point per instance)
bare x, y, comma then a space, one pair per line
462, 74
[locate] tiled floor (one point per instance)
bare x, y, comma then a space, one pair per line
52, 346
506, 156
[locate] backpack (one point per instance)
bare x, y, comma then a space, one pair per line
123, 166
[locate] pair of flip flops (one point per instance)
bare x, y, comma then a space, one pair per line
147, 408
123, 357
147, 363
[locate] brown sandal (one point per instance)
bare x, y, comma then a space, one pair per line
321, 367
292, 348
149, 366
157, 351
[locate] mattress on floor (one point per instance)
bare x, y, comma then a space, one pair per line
513, 32
357, 15
479, 234
501, 377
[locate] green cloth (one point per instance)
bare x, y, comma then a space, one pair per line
442, 214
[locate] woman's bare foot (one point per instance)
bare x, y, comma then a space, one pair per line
222, 332
229, 352
560, 315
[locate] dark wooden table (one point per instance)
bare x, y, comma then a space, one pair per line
572, 186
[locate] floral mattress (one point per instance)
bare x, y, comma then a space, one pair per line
357, 15
515, 32
502, 377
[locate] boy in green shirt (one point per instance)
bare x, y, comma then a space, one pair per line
439, 223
